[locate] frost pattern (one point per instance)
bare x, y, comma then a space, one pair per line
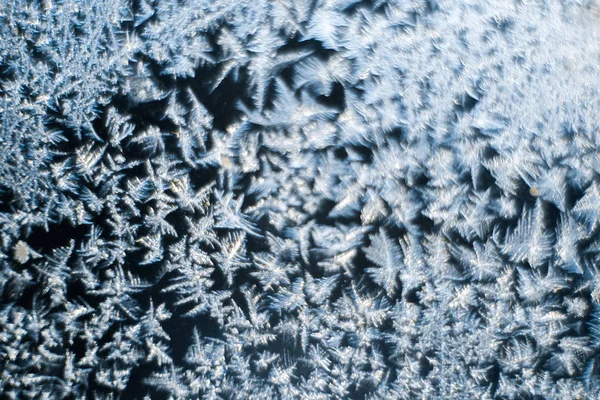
318, 199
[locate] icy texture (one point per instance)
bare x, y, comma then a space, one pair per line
299, 200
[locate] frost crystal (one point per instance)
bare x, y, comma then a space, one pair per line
317, 199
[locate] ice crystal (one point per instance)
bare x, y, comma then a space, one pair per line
315, 199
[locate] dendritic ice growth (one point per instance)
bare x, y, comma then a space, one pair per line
317, 199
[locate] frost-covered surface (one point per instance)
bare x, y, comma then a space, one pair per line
299, 200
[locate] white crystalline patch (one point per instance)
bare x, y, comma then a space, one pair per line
21, 252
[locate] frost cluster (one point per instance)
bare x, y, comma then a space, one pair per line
309, 199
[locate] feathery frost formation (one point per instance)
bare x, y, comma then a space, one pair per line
317, 199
